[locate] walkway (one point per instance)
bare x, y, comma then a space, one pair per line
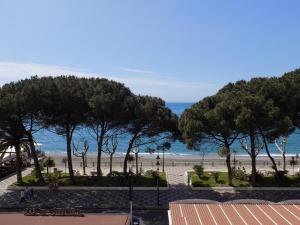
9, 180
141, 199
109, 199
177, 177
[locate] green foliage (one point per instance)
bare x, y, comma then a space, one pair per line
199, 170
240, 174
48, 162
151, 173
216, 176
223, 151
103, 181
251, 108
282, 174
150, 118
208, 180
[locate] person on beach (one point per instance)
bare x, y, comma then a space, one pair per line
22, 196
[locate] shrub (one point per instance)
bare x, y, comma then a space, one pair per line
199, 170
259, 176
116, 174
48, 163
216, 176
51, 177
282, 174
151, 173
239, 174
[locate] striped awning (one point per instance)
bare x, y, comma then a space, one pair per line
233, 214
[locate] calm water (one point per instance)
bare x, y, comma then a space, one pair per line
51, 142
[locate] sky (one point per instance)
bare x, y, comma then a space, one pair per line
178, 50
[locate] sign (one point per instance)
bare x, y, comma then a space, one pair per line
53, 212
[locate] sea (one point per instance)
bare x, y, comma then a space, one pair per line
53, 143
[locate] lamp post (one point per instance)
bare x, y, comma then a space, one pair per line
130, 191
157, 178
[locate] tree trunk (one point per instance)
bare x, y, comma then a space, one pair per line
136, 163
18, 163
99, 156
163, 161
228, 163
128, 153
69, 156
269, 155
38, 172
253, 159
284, 160
100, 143
293, 170
110, 163
83, 166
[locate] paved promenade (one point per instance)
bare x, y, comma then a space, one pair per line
144, 202
94, 199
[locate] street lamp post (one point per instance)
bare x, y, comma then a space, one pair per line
157, 178
130, 192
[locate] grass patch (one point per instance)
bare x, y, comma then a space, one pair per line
103, 181
270, 181
208, 180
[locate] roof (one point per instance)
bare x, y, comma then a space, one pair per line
231, 214
90, 219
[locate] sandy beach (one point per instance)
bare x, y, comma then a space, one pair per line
184, 162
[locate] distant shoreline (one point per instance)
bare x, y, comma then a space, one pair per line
182, 162
170, 154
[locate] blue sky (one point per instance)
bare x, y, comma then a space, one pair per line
178, 50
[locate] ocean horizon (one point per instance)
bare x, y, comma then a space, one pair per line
53, 143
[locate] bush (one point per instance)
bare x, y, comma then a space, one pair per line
259, 176
51, 177
151, 173
116, 174
199, 170
282, 174
239, 174
48, 163
216, 176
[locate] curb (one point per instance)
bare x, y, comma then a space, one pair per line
246, 188
86, 188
